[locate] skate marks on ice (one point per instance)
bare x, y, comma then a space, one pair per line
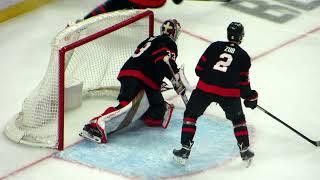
141, 151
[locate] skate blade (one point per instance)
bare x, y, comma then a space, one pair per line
248, 162
179, 160
90, 137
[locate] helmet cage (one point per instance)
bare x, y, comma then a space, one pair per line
171, 28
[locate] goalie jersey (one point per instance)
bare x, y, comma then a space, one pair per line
147, 63
224, 70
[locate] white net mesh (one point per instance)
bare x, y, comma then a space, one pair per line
94, 65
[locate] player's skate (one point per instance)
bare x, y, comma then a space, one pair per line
167, 115
247, 156
94, 131
181, 156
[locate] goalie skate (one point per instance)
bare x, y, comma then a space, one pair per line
94, 131
92, 135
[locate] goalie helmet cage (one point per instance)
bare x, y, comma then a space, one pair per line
85, 60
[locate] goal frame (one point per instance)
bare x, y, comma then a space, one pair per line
65, 49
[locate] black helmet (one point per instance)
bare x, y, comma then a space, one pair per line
235, 32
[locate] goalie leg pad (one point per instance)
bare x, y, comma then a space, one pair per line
167, 115
149, 121
164, 122
95, 129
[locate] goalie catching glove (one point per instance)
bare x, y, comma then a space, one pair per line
178, 85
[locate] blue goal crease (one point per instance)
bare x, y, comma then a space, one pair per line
141, 151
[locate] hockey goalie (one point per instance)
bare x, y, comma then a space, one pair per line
140, 94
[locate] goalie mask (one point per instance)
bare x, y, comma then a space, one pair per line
171, 27
235, 32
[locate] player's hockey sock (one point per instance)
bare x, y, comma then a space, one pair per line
241, 133
188, 130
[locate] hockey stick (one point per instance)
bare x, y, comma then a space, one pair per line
316, 143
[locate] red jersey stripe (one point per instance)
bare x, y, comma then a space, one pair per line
159, 58
102, 9
244, 83
199, 68
139, 75
213, 89
149, 3
160, 50
203, 58
244, 73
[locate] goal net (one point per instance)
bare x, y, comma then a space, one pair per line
85, 61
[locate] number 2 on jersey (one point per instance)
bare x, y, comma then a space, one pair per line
223, 64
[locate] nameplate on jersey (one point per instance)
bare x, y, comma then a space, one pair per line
230, 49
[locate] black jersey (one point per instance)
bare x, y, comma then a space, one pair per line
224, 70
147, 63
114, 5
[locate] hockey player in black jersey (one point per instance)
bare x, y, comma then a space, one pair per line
223, 72
115, 5
145, 70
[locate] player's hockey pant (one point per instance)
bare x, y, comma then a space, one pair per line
109, 6
198, 103
130, 88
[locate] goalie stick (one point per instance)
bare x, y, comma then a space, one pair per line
316, 143
183, 95
184, 79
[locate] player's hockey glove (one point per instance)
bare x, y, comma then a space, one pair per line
252, 100
177, 84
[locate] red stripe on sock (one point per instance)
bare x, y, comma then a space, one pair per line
241, 133
189, 130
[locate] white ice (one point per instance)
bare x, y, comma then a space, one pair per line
286, 79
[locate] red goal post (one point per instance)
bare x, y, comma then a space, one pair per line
85, 60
